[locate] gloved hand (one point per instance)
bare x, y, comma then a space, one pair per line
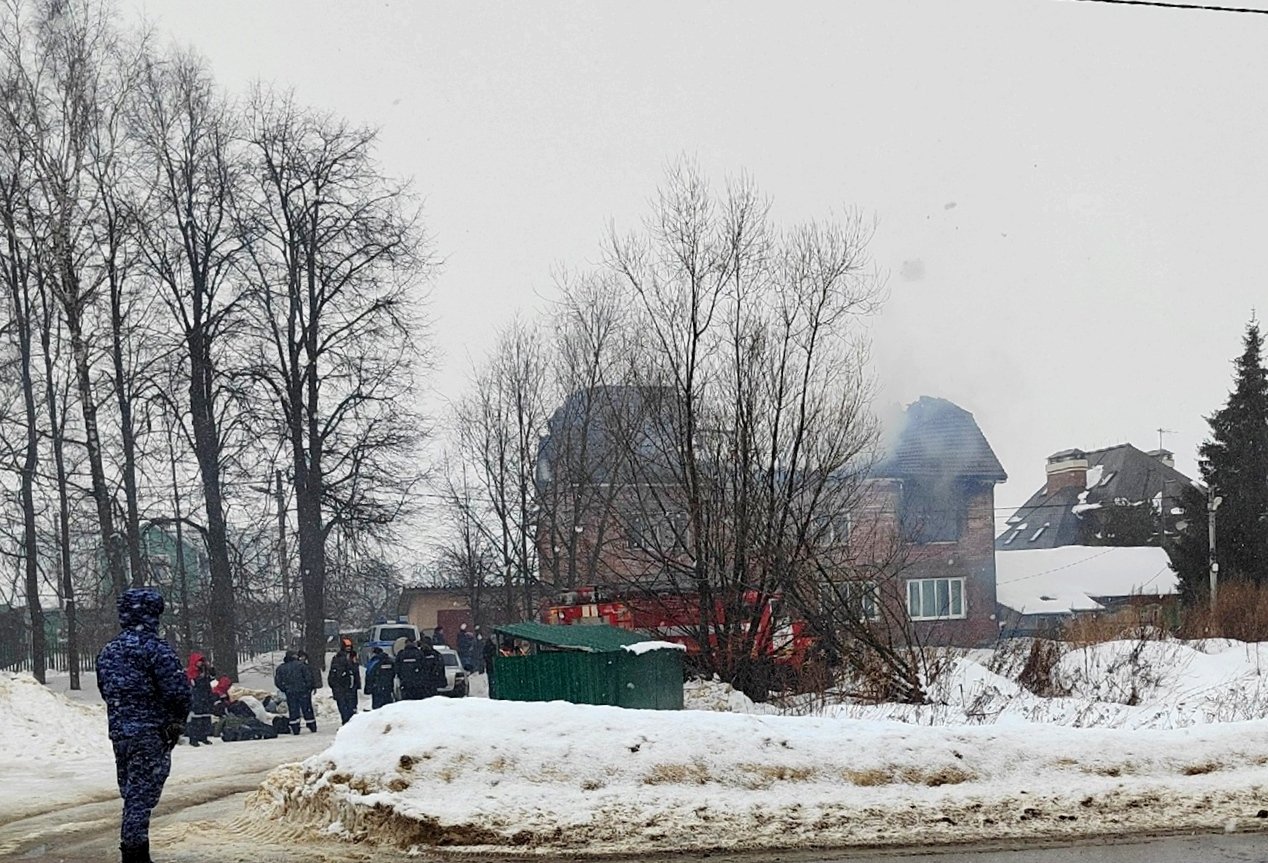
171, 733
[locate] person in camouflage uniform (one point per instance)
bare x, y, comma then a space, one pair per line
147, 699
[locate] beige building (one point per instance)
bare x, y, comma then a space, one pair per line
425, 607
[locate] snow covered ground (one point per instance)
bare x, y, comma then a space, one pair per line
556, 777
53, 739
1144, 736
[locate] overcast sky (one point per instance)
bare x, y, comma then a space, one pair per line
1071, 197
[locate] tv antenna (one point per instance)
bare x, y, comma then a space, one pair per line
1161, 432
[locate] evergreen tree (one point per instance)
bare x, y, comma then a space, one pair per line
1235, 462
1187, 546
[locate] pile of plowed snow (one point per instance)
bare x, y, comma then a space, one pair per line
554, 777
1117, 684
35, 720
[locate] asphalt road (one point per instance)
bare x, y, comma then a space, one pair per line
205, 825
203, 821
1219, 848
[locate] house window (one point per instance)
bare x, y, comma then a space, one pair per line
1040, 531
932, 512
935, 598
659, 533
830, 531
860, 600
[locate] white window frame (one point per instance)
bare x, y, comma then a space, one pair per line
927, 590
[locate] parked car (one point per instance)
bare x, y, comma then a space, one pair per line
389, 636
455, 677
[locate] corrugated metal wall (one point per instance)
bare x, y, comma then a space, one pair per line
648, 681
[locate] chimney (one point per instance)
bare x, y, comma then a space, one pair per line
1066, 469
1165, 456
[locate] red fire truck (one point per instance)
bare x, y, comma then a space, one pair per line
676, 617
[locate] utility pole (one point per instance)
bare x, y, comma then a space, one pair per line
1212, 504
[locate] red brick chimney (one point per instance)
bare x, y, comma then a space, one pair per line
1067, 468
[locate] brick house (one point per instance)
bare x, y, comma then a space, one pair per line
1088, 541
927, 506
934, 496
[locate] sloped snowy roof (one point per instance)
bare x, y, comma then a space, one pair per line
1114, 473
1074, 577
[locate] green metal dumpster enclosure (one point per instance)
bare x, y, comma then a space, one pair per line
588, 664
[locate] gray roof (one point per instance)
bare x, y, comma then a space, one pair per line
1126, 473
592, 638
596, 432
940, 440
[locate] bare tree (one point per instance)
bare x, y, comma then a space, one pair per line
335, 260
63, 61
467, 558
189, 240
16, 272
589, 435
499, 427
757, 394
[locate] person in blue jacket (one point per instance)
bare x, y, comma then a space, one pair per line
147, 699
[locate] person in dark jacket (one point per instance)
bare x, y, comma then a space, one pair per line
344, 679
380, 679
488, 652
438, 637
433, 671
412, 672
466, 648
294, 677
200, 702
147, 699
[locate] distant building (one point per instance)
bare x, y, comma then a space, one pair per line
1090, 540
1085, 490
425, 607
933, 493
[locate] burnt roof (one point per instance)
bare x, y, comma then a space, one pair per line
1121, 473
939, 439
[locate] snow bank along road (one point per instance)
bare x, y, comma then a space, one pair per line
550, 778
1186, 749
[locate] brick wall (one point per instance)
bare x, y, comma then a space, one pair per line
603, 556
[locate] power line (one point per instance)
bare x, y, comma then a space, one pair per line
1165, 5
1059, 568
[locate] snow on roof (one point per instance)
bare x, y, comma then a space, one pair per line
1070, 578
642, 647
1094, 475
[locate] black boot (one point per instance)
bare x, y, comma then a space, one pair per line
294, 728
312, 726
136, 853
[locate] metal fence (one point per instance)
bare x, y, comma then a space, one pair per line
18, 658
57, 658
